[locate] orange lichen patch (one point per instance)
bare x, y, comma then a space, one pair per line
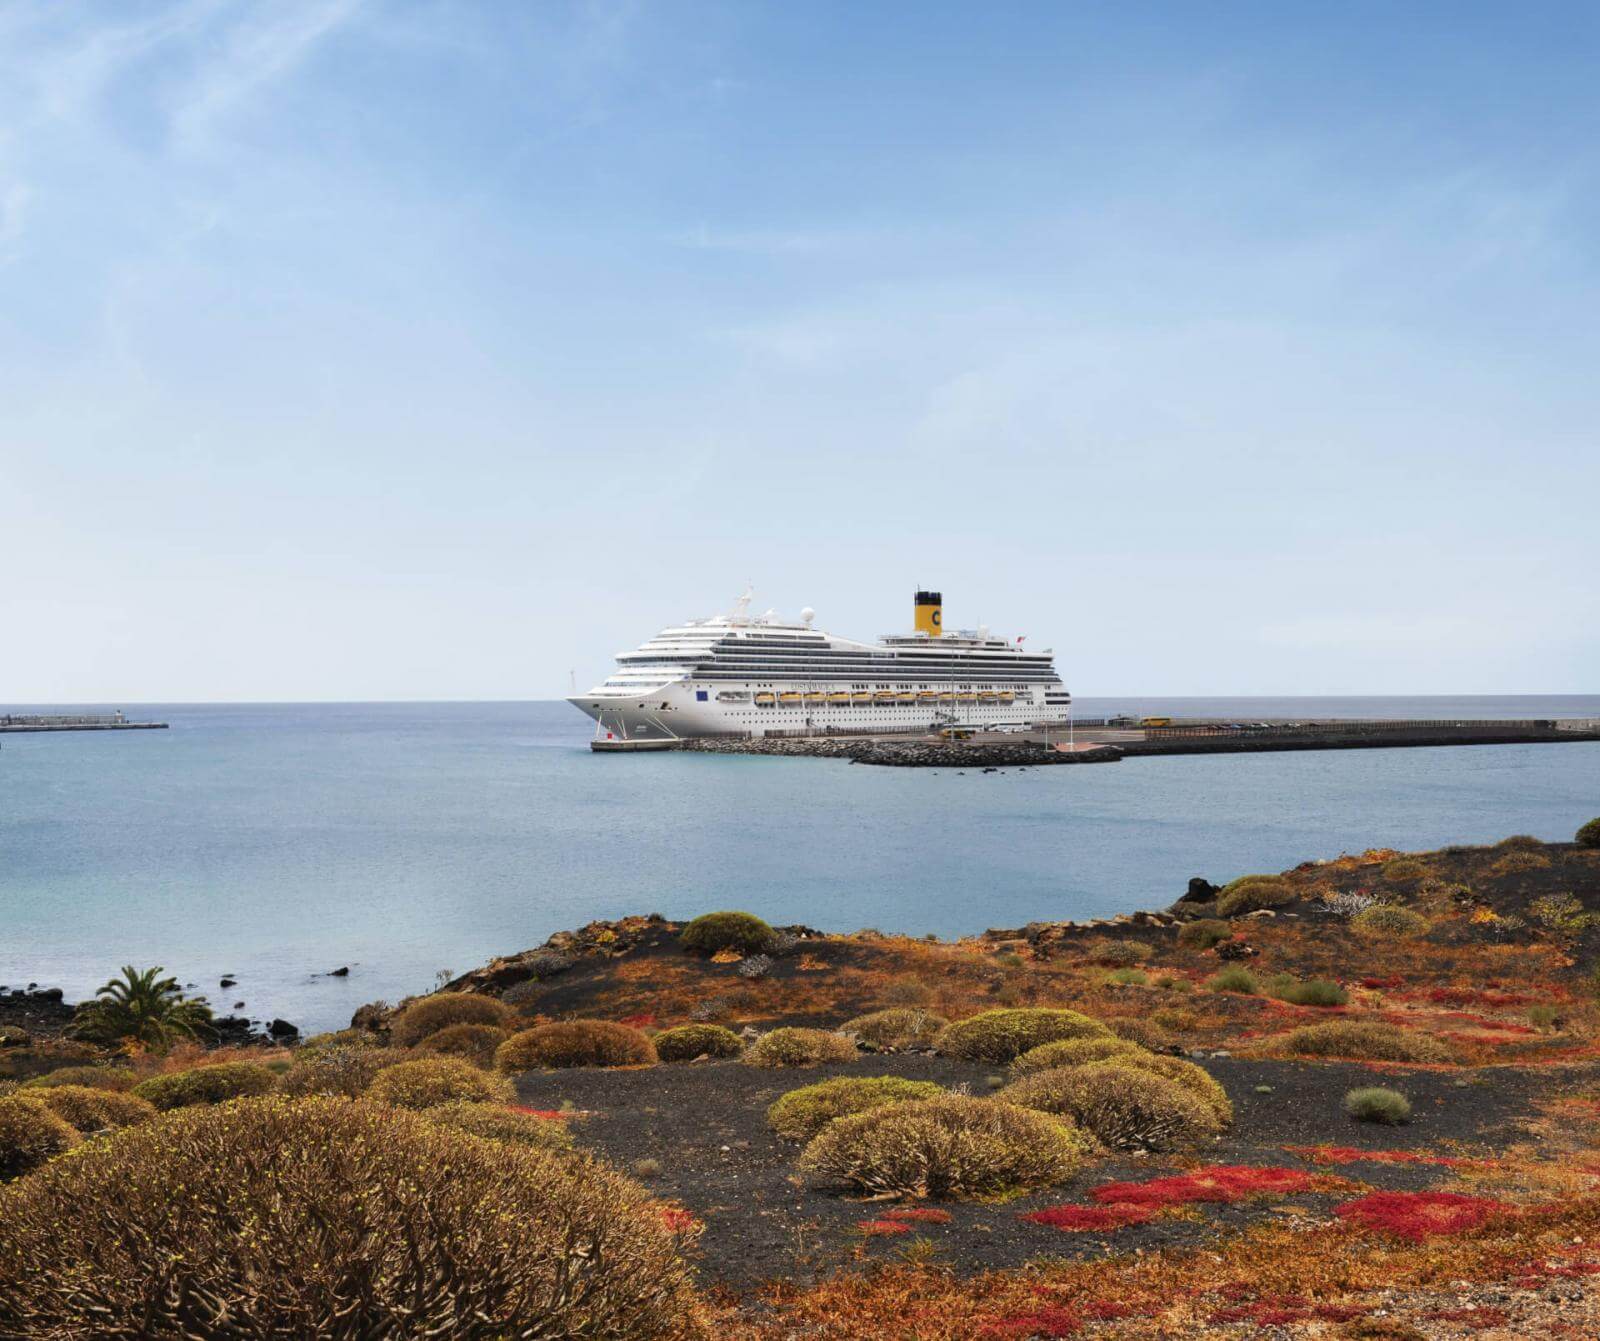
728, 955
1420, 1215
1088, 1219
548, 1114
1216, 1183
811, 964
1348, 1154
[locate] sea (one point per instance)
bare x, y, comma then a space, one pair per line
275, 843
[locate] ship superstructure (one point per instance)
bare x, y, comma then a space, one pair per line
745, 675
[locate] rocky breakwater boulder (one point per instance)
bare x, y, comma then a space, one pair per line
565, 950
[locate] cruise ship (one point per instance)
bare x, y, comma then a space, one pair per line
744, 675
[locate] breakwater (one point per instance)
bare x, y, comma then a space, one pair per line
74, 722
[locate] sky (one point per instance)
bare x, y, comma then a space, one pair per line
442, 350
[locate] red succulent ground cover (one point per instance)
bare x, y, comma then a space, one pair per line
678, 1220
548, 1114
1054, 1320
1217, 1182
1420, 1215
1283, 1309
882, 1228
1077, 1219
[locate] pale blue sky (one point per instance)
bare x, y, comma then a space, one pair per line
408, 350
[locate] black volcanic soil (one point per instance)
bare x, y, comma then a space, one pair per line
704, 1125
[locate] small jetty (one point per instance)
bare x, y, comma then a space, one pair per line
1107, 741
77, 721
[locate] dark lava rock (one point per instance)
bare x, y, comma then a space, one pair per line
1235, 950
282, 1029
238, 1005
228, 982
1200, 890
343, 971
234, 1031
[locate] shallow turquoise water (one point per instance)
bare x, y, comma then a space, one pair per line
277, 842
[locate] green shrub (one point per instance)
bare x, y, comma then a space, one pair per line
430, 1014
801, 1114
948, 1147
1385, 919
1544, 1017
800, 1047
339, 1068
1563, 914
1311, 992
1205, 933
711, 932
1361, 1040
1249, 893
1374, 1103
898, 1027
1001, 1036
1125, 1107
1127, 977
1404, 871
493, 1122
206, 1085
1119, 954
327, 1218
1071, 1052
30, 1134
95, 1077
1588, 834
475, 1042
1233, 979
432, 1081
575, 1043
689, 1041
91, 1110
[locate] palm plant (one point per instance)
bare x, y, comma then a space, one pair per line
144, 1008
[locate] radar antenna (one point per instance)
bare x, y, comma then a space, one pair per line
741, 606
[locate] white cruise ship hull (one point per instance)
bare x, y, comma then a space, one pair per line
738, 676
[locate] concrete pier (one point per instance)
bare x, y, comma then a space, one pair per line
114, 721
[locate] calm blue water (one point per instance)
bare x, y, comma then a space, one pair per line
275, 842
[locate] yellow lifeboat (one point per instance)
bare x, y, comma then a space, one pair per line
905, 696
765, 700
928, 696
789, 697
1006, 696
966, 696
859, 698
816, 696
988, 696
883, 696
838, 696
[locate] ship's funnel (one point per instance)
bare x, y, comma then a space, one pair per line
928, 614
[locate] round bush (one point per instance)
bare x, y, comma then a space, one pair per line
898, 1027
689, 1041
30, 1134
90, 1110
1310, 992
1520, 842
95, 1077
1072, 1052
1124, 1107
1003, 1035
800, 1047
1249, 893
430, 1014
1588, 835
1119, 954
1146, 1033
474, 1042
432, 1081
206, 1085
1196, 1079
1233, 979
1363, 1040
575, 1043
361, 1222
952, 1146
492, 1122
1384, 919
339, 1068
1205, 933
711, 932
1374, 1103
801, 1114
